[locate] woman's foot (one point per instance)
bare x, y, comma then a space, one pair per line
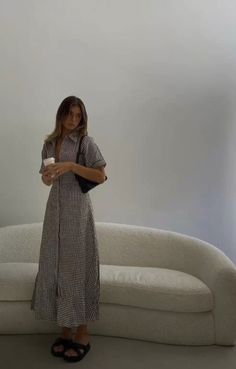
59, 348
60, 345
66, 335
83, 339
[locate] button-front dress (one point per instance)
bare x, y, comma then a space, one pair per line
67, 284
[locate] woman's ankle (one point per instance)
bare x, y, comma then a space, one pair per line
81, 332
66, 333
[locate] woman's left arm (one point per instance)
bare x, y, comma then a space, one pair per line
94, 174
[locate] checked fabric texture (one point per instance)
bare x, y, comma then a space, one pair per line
67, 284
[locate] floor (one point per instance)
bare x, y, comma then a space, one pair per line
33, 352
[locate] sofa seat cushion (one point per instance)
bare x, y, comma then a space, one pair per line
146, 287
154, 288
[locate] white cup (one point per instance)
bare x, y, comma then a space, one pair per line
49, 161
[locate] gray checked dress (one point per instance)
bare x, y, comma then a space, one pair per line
67, 284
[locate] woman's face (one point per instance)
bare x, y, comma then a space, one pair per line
73, 118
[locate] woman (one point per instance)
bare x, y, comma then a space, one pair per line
67, 285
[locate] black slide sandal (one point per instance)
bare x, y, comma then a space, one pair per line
60, 341
80, 349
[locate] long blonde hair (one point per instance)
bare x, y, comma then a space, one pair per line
62, 113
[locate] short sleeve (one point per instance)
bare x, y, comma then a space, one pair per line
43, 155
92, 155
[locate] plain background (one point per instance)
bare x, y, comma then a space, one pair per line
158, 81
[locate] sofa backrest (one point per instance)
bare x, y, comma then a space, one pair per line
20, 243
120, 244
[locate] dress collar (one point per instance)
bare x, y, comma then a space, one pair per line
73, 136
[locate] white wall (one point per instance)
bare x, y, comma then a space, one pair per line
158, 80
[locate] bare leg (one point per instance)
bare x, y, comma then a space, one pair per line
81, 334
66, 332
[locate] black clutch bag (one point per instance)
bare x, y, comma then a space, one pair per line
85, 184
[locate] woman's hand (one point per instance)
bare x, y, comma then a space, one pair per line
54, 171
46, 178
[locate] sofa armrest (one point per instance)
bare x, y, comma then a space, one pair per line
218, 272
222, 283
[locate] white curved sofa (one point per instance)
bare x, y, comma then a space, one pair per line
156, 285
